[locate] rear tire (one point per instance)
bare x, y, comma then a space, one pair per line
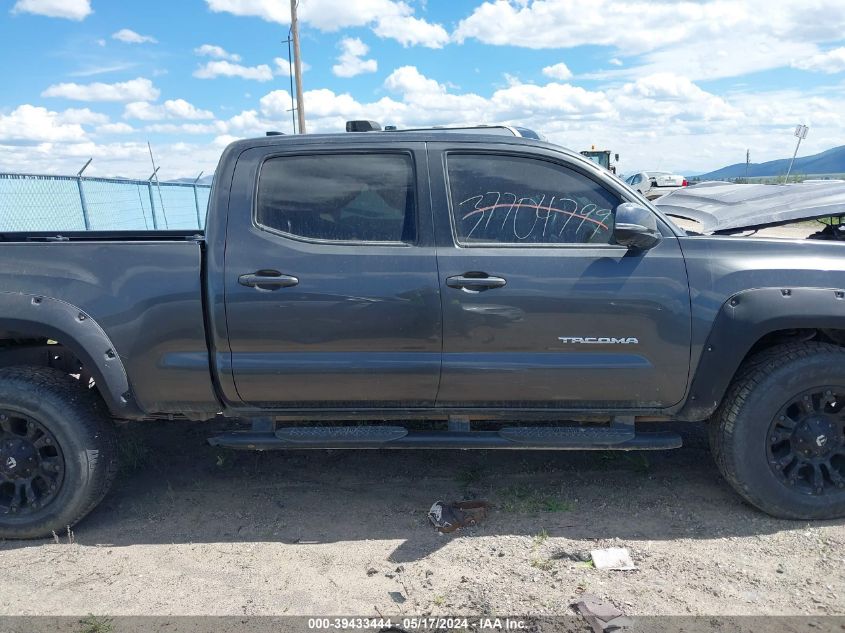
58, 452
779, 437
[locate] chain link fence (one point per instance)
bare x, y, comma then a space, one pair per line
32, 202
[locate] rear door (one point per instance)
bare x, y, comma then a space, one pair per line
331, 287
540, 308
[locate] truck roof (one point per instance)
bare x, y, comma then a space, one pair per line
405, 136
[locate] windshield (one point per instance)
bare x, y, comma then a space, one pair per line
599, 158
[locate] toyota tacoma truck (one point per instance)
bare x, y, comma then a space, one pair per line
420, 290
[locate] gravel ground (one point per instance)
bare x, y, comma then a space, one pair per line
190, 529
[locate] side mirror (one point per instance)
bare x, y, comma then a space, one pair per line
635, 227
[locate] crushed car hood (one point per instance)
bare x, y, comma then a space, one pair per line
722, 207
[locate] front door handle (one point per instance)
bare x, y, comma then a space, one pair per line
267, 280
475, 282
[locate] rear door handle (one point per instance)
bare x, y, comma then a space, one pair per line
475, 282
267, 280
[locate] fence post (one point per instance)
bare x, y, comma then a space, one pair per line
197, 204
152, 204
84, 204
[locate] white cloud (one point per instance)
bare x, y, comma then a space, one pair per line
659, 121
128, 158
389, 18
115, 128
707, 39
32, 124
283, 67
68, 9
411, 31
187, 128
558, 71
170, 109
729, 55
667, 97
832, 61
83, 116
216, 52
129, 36
223, 68
421, 100
139, 89
615, 61
626, 24
181, 109
351, 60
269, 10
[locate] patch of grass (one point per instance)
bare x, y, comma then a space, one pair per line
609, 456
639, 462
96, 624
470, 476
439, 601
132, 452
543, 564
524, 499
557, 505
71, 538
542, 537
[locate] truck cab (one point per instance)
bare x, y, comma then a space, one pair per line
602, 158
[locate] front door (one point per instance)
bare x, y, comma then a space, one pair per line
332, 296
540, 308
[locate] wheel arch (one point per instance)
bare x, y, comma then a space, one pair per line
750, 321
26, 320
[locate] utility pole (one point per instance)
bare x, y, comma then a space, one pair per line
747, 162
801, 133
292, 93
297, 66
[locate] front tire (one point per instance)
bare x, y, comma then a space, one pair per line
58, 452
779, 436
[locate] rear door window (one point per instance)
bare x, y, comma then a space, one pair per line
339, 197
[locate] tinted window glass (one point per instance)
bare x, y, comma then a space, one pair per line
514, 200
339, 197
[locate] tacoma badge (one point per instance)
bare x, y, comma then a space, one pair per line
599, 340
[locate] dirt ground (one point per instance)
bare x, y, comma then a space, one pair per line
190, 529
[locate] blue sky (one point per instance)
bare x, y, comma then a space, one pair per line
669, 85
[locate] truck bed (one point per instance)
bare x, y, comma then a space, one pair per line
143, 289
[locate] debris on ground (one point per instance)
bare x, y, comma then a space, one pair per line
448, 517
578, 556
614, 558
602, 615
397, 597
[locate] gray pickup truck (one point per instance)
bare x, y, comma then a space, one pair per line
421, 290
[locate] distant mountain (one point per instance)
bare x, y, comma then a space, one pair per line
831, 161
205, 180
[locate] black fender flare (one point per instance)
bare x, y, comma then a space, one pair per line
743, 320
42, 316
